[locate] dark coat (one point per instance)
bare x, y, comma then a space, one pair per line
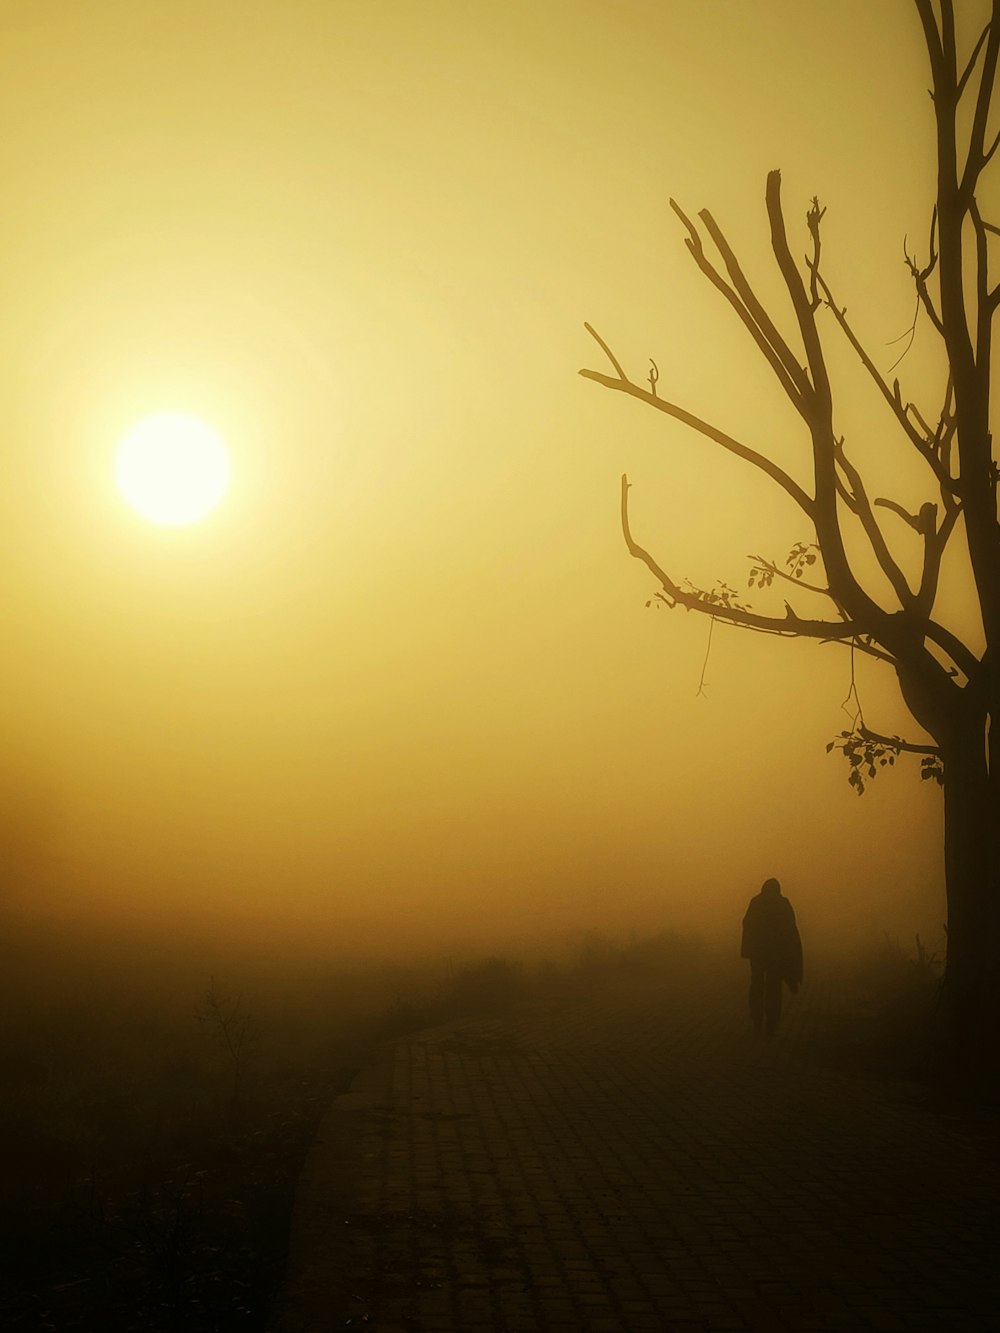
771, 937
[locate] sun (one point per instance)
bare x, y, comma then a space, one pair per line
172, 468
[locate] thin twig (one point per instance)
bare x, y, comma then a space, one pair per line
700, 692
606, 350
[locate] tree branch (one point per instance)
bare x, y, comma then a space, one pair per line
943, 437
818, 415
813, 218
985, 299
920, 276
606, 350
821, 399
752, 314
792, 626
916, 521
625, 385
977, 156
911, 409
960, 89
891, 395
949, 53
897, 743
778, 573
867, 647
935, 541
960, 653
873, 532
932, 37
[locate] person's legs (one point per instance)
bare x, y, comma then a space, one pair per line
772, 998
757, 975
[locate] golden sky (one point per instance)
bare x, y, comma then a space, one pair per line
403, 683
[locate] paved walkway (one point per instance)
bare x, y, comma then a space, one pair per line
636, 1160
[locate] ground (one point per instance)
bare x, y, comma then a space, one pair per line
634, 1158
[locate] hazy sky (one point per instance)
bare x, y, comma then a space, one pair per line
404, 681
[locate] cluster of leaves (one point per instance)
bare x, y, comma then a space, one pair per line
720, 595
761, 573
799, 558
866, 754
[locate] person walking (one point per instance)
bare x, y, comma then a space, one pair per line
771, 942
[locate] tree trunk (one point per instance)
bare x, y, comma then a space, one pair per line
972, 876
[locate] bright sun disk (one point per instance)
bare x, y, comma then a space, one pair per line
172, 468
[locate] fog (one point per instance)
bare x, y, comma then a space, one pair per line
401, 695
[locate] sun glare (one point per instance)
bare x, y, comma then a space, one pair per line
172, 468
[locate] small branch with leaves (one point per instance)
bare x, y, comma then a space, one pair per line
869, 751
802, 555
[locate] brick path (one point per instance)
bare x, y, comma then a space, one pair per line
637, 1160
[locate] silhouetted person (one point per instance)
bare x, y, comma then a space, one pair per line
771, 942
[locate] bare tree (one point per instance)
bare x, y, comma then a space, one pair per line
234, 1031
951, 689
